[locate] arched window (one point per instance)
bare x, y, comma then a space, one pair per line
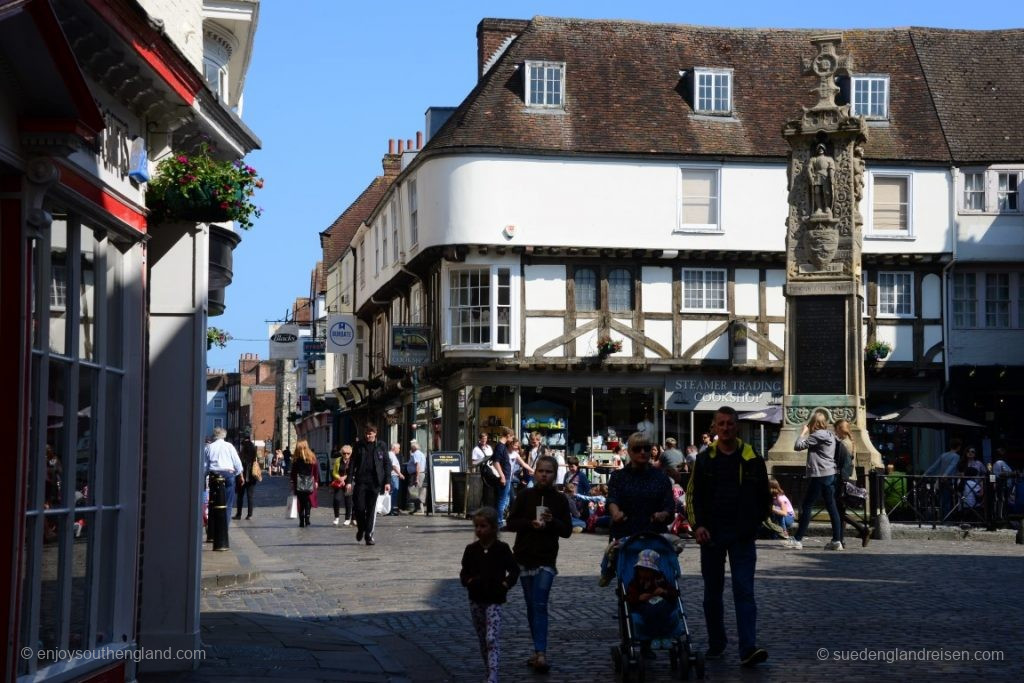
620, 290
586, 289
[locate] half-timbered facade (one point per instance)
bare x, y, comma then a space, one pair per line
596, 234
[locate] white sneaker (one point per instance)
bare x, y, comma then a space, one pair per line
834, 545
336, 519
792, 543
348, 522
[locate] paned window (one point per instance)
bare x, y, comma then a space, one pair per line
997, 300
414, 215
480, 307
965, 300
700, 198
384, 238
394, 232
620, 290
703, 290
974, 191
890, 210
895, 294
586, 289
1007, 196
713, 91
545, 84
76, 407
871, 97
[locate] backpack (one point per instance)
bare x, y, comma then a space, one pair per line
304, 483
490, 473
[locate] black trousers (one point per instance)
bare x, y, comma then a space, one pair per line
847, 518
247, 491
339, 495
366, 508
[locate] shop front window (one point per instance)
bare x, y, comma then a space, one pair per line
73, 502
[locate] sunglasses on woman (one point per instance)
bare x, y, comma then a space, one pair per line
640, 449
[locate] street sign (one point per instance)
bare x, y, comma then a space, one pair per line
410, 346
313, 349
284, 342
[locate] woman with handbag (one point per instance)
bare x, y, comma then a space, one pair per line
304, 470
339, 483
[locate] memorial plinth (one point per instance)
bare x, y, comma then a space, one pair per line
824, 354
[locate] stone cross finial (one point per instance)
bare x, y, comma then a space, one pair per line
826, 65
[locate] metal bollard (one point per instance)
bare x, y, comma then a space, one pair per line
218, 512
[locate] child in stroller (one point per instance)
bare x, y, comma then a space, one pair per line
651, 612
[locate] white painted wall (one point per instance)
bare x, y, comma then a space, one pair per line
588, 203
545, 287
987, 237
931, 296
659, 331
931, 224
774, 295
656, 289
747, 300
691, 331
986, 347
183, 23
900, 338
932, 336
777, 335
540, 331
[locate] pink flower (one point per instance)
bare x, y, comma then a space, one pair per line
183, 159
223, 205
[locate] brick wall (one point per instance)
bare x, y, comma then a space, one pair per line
264, 400
491, 34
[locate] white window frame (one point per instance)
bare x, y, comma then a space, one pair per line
383, 230
376, 250
514, 306
414, 217
395, 223
704, 308
896, 275
870, 79
528, 81
1010, 303
972, 320
714, 74
416, 312
962, 190
362, 261
906, 234
218, 422
996, 172
681, 201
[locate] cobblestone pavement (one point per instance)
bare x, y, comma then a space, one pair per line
395, 611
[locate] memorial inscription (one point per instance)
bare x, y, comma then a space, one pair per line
820, 359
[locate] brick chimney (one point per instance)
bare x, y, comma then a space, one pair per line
492, 37
392, 162
247, 364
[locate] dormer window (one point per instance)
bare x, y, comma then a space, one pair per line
871, 96
712, 91
545, 84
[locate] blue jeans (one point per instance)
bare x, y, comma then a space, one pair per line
229, 493
504, 493
825, 487
784, 520
577, 522
395, 481
742, 561
535, 592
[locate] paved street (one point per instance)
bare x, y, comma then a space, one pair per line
328, 608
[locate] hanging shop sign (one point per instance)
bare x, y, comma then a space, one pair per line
313, 349
341, 335
709, 392
410, 346
284, 342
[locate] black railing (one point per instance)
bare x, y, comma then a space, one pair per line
981, 501
985, 501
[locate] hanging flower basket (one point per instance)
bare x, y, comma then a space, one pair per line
216, 337
877, 350
200, 188
607, 346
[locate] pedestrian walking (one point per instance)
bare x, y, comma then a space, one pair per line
251, 476
223, 467
845, 471
303, 475
500, 458
482, 453
370, 477
727, 500
416, 476
488, 571
820, 444
287, 459
340, 484
539, 517
396, 477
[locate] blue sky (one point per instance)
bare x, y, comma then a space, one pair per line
331, 81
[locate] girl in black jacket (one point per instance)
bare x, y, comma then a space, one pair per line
488, 570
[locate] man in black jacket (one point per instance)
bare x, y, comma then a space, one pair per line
370, 477
728, 497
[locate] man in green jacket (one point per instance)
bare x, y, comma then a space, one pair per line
728, 498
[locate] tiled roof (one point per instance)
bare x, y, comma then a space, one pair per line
977, 82
625, 95
335, 239
301, 310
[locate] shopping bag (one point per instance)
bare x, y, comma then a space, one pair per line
292, 507
383, 504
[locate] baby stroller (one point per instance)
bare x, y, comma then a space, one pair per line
627, 656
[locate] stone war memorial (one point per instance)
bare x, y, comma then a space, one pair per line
824, 364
